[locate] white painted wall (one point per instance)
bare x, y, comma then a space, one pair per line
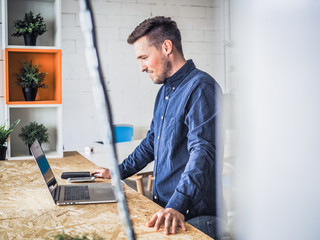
132, 93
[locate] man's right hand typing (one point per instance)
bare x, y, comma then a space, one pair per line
102, 173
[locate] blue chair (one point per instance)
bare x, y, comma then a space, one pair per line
123, 133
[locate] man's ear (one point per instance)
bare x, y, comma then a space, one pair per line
167, 47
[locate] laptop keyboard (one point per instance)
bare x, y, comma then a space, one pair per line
76, 193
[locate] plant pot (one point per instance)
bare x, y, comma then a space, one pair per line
30, 93
3, 151
30, 39
29, 145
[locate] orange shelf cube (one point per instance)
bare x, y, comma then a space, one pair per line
49, 61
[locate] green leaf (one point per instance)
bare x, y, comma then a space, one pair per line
4, 133
34, 131
30, 76
30, 24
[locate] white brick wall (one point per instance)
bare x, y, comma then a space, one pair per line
132, 93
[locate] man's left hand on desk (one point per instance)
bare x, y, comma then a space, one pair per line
170, 218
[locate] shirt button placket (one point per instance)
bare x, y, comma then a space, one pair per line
156, 157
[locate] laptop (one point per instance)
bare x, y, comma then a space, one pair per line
71, 193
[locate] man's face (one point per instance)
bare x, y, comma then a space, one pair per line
152, 60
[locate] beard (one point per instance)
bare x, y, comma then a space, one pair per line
164, 74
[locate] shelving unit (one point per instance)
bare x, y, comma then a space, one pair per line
1, 54
47, 108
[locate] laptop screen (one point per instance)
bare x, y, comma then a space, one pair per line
44, 166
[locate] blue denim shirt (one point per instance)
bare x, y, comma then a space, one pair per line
182, 141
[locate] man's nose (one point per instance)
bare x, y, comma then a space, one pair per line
143, 67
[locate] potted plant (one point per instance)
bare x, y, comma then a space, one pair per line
30, 28
64, 236
34, 131
4, 134
30, 79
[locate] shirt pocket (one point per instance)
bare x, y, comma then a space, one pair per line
169, 130
168, 134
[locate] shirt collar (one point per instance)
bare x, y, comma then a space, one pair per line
178, 76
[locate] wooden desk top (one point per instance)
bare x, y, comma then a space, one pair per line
27, 210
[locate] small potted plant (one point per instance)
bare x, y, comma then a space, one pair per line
30, 28
30, 79
64, 236
34, 131
4, 134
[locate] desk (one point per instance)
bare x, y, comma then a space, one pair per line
27, 210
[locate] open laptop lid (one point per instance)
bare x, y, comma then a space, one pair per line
44, 166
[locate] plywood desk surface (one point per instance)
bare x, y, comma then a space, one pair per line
27, 210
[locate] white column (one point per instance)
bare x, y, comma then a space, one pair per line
278, 119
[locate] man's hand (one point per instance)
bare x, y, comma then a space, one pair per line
170, 218
102, 173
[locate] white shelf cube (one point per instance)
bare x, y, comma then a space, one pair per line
48, 115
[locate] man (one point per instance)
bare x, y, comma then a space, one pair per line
184, 133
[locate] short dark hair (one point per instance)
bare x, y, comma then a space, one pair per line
157, 30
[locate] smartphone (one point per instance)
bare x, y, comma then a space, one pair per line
81, 179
